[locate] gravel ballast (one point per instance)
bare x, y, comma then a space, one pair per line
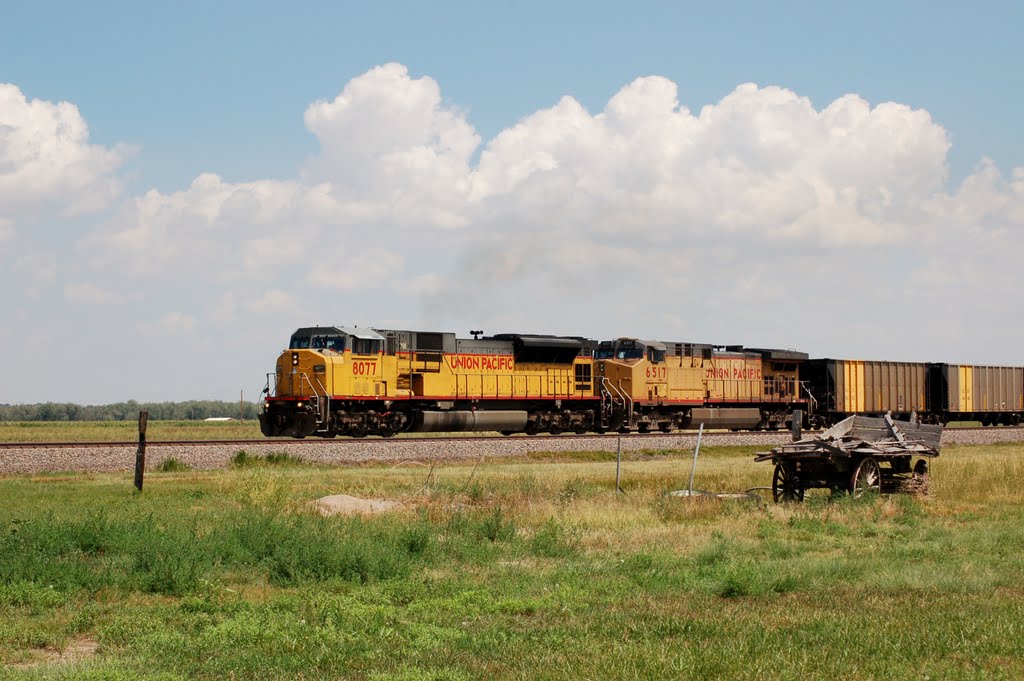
334, 452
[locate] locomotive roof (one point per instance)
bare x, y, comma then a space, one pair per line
772, 353
359, 332
355, 331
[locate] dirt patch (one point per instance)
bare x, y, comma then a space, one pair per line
343, 504
77, 650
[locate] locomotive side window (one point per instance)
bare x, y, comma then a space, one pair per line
365, 346
583, 376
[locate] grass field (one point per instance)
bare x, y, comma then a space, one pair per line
120, 431
531, 569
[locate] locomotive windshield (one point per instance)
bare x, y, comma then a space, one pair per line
336, 343
318, 342
624, 349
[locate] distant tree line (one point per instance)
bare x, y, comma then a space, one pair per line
194, 410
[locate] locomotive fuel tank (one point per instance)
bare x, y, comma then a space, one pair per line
465, 421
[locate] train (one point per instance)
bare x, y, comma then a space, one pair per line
357, 381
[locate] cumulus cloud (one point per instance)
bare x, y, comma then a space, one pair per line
390, 143
46, 160
757, 219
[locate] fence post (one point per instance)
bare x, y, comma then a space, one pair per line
696, 451
140, 453
796, 426
618, 465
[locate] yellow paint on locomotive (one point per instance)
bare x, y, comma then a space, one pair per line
686, 379
436, 376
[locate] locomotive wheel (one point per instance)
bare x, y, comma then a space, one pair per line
643, 428
785, 484
665, 427
866, 478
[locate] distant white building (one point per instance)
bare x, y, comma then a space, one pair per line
219, 418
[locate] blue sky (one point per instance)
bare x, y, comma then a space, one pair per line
188, 182
204, 86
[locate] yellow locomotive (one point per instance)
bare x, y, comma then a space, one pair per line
360, 381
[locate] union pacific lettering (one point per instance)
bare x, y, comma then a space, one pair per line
733, 374
482, 362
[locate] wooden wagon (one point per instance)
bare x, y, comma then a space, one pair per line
857, 455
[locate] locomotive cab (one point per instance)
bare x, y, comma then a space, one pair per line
320, 365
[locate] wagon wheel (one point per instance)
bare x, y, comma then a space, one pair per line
920, 476
867, 477
785, 484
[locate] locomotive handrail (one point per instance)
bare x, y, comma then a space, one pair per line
605, 384
626, 400
322, 414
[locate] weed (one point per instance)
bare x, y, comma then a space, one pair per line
571, 490
552, 540
172, 465
243, 459
495, 526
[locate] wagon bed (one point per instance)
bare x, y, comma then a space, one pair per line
857, 455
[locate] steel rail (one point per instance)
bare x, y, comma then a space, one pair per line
344, 441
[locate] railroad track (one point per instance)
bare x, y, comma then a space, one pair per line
460, 438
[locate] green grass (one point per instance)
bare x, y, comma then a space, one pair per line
512, 570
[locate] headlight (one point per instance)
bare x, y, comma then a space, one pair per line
298, 404
295, 358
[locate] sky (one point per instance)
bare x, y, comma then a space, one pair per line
184, 184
